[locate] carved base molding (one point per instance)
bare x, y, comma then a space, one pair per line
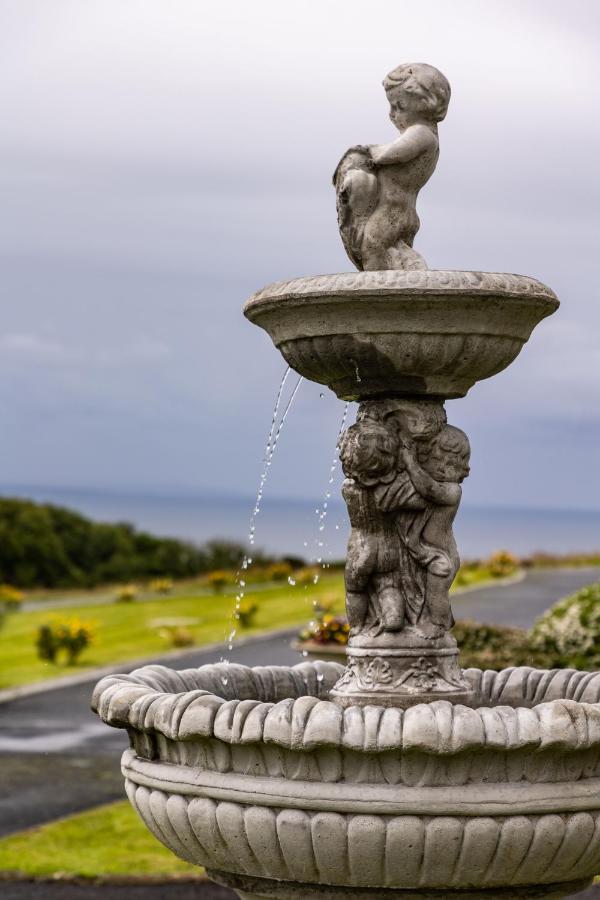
258, 888
401, 677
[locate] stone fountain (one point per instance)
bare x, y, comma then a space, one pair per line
399, 775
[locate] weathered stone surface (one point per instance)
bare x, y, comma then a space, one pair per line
265, 778
253, 888
411, 334
404, 466
377, 185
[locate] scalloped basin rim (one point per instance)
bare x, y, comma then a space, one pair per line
429, 281
521, 708
415, 334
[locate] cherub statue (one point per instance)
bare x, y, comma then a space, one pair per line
377, 185
436, 472
369, 453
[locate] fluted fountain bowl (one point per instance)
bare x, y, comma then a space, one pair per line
278, 792
423, 333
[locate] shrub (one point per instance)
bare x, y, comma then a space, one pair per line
11, 598
307, 575
219, 579
501, 564
485, 646
177, 631
127, 593
326, 629
541, 560
177, 635
278, 571
161, 586
568, 634
69, 638
245, 613
324, 605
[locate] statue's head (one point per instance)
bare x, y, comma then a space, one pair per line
421, 420
369, 453
447, 455
417, 90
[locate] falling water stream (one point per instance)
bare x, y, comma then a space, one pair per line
321, 512
321, 555
275, 430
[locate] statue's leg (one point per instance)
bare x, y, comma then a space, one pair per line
360, 563
357, 605
438, 603
390, 600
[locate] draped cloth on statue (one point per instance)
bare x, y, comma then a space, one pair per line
417, 556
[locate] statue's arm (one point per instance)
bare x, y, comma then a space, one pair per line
400, 493
415, 140
442, 493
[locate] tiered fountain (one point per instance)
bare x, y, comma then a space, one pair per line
400, 775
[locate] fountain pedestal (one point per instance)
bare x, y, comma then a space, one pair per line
402, 675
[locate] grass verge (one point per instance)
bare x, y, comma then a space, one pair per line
109, 841
125, 631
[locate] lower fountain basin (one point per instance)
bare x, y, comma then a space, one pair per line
256, 775
424, 333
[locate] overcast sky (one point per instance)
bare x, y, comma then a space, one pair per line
162, 159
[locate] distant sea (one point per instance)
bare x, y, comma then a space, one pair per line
291, 526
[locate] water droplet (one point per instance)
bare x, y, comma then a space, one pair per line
291, 581
321, 395
305, 653
320, 676
224, 680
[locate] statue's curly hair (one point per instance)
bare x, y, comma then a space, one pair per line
368, 452
435, 88
451, 440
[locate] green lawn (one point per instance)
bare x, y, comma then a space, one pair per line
109, 840
124, 631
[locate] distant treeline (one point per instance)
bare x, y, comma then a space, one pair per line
42, 545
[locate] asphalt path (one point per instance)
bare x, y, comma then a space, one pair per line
190, 891
520, 604
57, 758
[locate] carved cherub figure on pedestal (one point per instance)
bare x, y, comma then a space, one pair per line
374, 600
404, 466
377, 185
436, 475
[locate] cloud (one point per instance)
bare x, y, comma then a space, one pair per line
162, 160
31, 346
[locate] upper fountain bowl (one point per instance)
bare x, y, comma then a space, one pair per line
423, 333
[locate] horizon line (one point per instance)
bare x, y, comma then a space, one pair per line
25, 491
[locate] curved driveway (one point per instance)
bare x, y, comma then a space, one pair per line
520, 604
57, 758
